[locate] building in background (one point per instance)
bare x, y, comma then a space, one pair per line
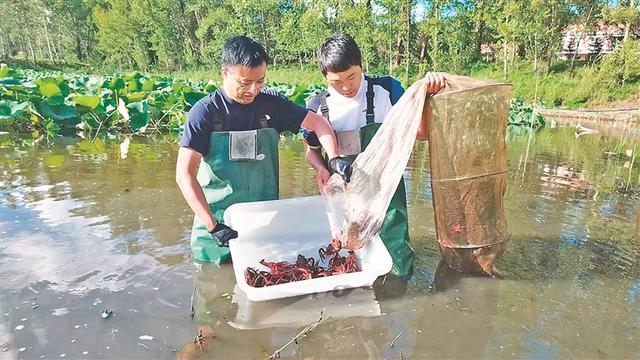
584, 44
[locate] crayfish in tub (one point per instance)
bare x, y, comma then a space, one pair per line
303, 268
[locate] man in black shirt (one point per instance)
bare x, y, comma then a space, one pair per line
229, 150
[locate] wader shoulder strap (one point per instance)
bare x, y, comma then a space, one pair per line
324, 109
215, 114
264, 121
217, 120
370, 94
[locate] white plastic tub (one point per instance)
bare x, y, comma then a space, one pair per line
302, 310
280, 230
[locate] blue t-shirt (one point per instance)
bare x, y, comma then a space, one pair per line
283, 116
387, 91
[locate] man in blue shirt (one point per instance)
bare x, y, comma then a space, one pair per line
229, 149
356, 105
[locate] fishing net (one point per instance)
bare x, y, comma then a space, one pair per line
468, 171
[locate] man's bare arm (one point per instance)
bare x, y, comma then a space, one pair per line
186, 171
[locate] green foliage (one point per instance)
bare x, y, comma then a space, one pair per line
298, 94
618, 68
138, 113
59, 113
5, 70
401, 37
623, 14
561, 87
55, 89
452, 45
521, 114
45, 103
89, 101
11, 109
404, 38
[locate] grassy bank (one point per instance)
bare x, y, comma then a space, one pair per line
562, 87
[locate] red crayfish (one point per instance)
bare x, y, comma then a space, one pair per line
303, 268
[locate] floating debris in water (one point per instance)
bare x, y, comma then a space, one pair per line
22, 349
63, 355
145, 337
77, 327
74, 340
393, 342
60, 312
34, 305
19, 327
107, 313
143, 345
85, 352
23, 319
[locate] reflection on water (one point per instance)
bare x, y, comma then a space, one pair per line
93, 226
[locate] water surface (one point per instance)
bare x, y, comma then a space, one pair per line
92, 226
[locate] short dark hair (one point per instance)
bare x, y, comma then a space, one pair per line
242, 50
338, 53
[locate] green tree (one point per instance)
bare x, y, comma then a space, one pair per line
22, 28
627, 12
118, 36
72, 20
217, 21
302, 29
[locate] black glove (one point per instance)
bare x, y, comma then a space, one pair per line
342, 167
222, 234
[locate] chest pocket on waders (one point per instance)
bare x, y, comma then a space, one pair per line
243, 144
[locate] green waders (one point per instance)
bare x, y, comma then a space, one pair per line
395, 228
228, 176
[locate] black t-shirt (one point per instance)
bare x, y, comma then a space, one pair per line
283, 116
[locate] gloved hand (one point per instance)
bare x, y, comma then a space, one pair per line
342, 167
222, 234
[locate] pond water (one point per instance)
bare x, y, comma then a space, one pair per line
87, 227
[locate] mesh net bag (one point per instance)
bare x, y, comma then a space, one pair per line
468, 160
357, 209
468, 171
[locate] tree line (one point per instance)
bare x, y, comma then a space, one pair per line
395, 36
